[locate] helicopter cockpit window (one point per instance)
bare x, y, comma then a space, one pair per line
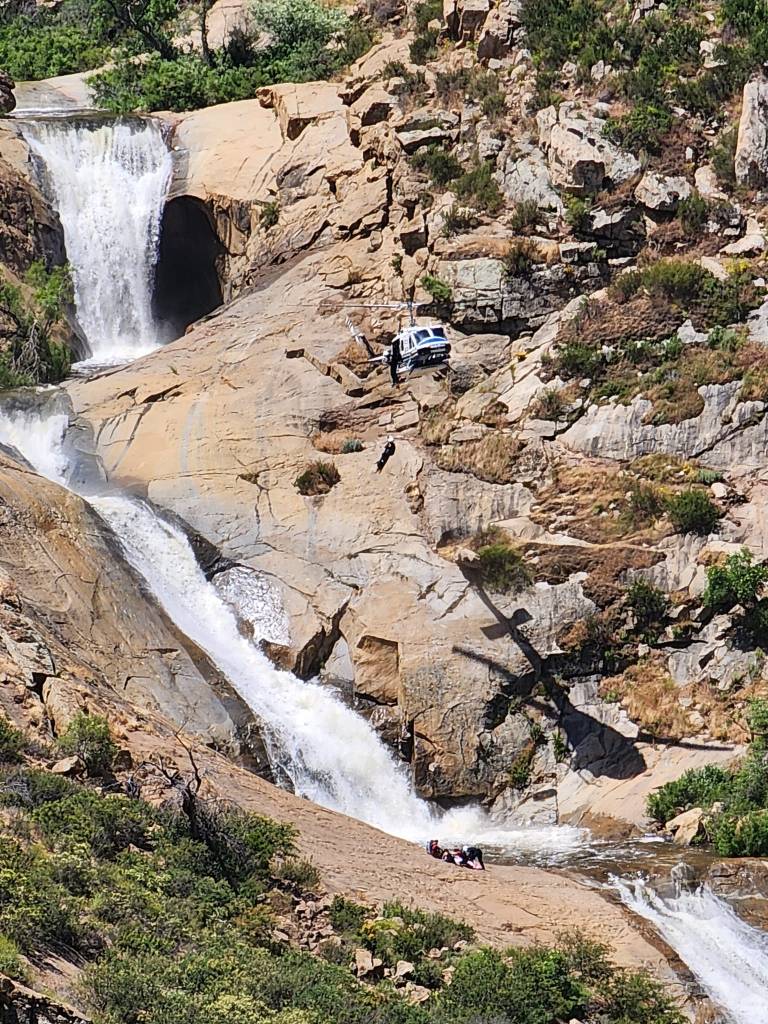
419, 336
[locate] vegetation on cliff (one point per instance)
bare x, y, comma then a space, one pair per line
735, 801
170, 914
29, 315
150, 69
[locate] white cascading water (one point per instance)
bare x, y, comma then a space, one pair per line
727, 955
108, 183
331, 754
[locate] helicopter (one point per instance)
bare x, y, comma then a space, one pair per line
421, 348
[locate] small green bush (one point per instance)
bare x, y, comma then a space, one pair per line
503, 568
698, 787
439, 290
757, 717
646, 503
576, 214
693, 213
649, 604
723, 157
317, 478
299, 872
693, 511
520, 769
641, 129
424, 47
479, 185
11, 741
520, 257
457, 219
524, 216
441, 166
738, 581
405, 933
31, 49
10, 960
269, 215
347, 916
351, 445
88, 737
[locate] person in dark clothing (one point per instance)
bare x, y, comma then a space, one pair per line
434, 850
474, 858
394, 359
386, 455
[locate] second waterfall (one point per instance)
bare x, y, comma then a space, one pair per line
108, 180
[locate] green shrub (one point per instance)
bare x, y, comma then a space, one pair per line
106, 826
347, 916
575, 359
757, 717
88, 737
649, 604
633, 997
524, 216
646, 503
693, 213
10, 960
641, 129
738, 581
693, 511
576, 214
723, 157
441, 166
405, 933
351, 445
458, 218
479, 185
31, 356
317, 478
520, 257
31, 49
503, 568
299, 872
32, 788
520, 769
698, 787
11, 741
428, 10
269, 215
424, 46
439, 290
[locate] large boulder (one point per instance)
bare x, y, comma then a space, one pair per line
7, 99
661, 194
524, 174
498, 31
751, 162
581, 159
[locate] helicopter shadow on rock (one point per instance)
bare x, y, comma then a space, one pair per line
597, 747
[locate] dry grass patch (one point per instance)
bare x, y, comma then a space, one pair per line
652, 700
336, 442
437, 424
493, 457
593, 502
605, 566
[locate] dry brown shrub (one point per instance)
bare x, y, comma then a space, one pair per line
331, 441
652, 700
436, 424
606, 567
492, 457
603, 323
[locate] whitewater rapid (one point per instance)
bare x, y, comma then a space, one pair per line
108, 182
727, 955
328, 752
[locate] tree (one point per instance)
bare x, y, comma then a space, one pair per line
146, 20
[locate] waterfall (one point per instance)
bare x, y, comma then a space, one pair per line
330, 754
108, 181
727, 955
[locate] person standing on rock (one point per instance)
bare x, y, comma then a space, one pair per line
386, 455
394, 359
